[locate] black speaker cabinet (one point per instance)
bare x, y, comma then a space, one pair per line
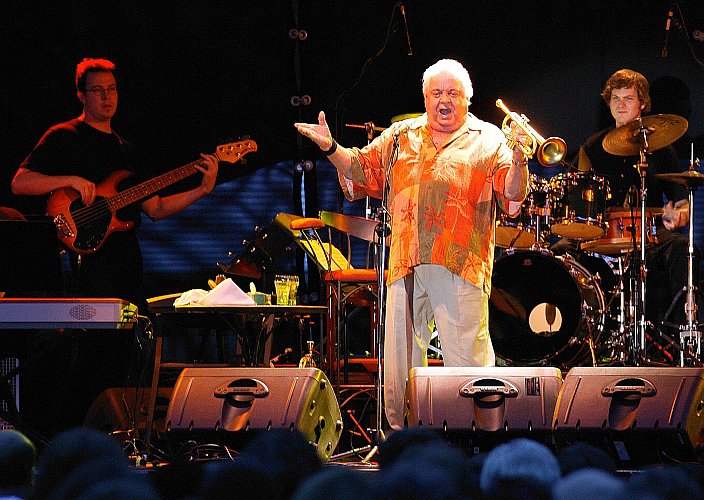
482, 406
224, 403
119, 410
640, 415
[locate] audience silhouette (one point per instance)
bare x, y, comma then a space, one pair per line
414, 463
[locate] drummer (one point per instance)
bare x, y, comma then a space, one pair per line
627, 94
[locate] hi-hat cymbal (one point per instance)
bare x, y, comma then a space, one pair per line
662, 130
690, 178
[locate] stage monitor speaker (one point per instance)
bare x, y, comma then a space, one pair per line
483, 406
225, 403
639, 415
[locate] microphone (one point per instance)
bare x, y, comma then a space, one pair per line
405, 25
668, 23
401, 130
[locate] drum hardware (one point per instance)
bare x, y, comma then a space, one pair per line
526, 230
551, 151
640, 137
690, 335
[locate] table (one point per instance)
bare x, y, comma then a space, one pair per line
232, 317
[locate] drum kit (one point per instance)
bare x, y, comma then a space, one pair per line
563, 311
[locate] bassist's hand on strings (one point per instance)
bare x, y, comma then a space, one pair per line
85, 188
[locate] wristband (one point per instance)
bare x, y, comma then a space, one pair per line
332, 149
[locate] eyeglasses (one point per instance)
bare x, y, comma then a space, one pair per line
112, 90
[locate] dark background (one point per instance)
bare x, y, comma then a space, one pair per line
196, 74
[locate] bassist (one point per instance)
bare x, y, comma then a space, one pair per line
77, 156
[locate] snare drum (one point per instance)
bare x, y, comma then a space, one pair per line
578, 200
519, 232
623, 233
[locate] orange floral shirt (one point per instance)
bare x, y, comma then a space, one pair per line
442, 200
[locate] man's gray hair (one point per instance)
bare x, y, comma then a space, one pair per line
450, 67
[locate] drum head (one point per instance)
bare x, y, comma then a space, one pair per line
534, 310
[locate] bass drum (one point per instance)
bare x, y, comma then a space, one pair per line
542, 310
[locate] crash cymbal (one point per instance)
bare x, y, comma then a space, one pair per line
690, 178
662, 130
405, 116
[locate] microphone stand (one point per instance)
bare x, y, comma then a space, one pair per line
369, 127
382, 230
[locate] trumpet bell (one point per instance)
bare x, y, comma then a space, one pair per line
552, 151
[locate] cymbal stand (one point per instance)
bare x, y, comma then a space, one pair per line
639, 295
691, 337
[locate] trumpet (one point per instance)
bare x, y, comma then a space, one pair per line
551, 151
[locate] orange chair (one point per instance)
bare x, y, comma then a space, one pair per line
344, 286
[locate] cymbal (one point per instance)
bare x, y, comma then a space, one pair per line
405, 116
690, 178
662, 130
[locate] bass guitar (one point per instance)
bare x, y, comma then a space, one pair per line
84, 229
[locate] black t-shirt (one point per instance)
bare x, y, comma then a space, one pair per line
75, 148
621, 174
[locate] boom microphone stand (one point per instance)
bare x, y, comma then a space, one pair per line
383, 230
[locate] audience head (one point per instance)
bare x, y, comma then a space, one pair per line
521, 468
583, 455
70, 449
587, 484
83, 481
398, 442
17, 455
420, 469
242, 478
669, 482
336, 483
290, 458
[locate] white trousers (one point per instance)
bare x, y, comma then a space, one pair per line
461, 313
